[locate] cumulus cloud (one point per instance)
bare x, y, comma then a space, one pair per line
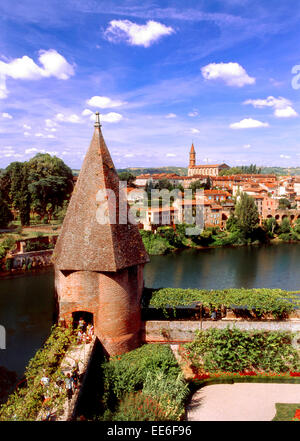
103, 102
233, 74
285, 157
70, 118
282, 106
26, 127
135, 34
49, 123
52, 64
192, 114
248, 123
86, 112
6, 115
171, 115
111, 117
246, 146
170, 155
195, 131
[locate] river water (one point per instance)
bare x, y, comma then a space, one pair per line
27, 302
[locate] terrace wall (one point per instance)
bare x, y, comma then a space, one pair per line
163, 331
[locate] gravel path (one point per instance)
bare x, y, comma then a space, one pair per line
240, 401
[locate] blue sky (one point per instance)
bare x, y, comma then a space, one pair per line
163, 74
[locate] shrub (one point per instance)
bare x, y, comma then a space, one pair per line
260, 301
234, 350
151, 369
136, 406
127, 373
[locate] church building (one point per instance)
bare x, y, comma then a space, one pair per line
204, 170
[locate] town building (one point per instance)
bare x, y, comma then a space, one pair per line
206, 170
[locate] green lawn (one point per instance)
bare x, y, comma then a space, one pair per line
285, 411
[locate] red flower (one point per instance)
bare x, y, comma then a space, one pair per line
295, 374
297, 414
201, 376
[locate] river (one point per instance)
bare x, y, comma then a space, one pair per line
27, 302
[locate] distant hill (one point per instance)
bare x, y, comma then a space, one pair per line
182, 171
281, 171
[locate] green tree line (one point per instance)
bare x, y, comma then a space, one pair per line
41, 185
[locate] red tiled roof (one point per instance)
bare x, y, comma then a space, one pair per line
85, 244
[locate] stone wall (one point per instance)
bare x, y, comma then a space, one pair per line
156, 331
35, 259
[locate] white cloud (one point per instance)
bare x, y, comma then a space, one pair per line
86, 112
42, 135
233, 74
129, 155
26, 134
49, 123
195, 131
24, 68
27, 127
246, 146
103, 102
171, 115
55, 65
192, 114
248, 123
134, 34
287, 112
6, 115
282, 106
33, 150
285, 157
111, 117
52, 129
13, 155
70, 118
170, 155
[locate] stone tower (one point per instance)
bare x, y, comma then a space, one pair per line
192, 162
99, 264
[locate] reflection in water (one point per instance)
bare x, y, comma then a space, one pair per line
274, 266
26, 312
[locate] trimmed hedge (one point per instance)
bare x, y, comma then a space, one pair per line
260, 301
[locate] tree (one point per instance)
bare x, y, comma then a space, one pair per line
51, 183
196, 185
247, 214
232, 224
285, 226
128, 177
284, 204
271, 225
14, 185
6, 215
164, 184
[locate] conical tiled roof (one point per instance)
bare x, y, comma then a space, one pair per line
192, 149
84, 243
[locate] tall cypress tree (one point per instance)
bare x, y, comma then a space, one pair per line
247, 214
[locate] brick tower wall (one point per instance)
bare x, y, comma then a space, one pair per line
112, 298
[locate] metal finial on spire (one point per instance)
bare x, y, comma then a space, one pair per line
97, 123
